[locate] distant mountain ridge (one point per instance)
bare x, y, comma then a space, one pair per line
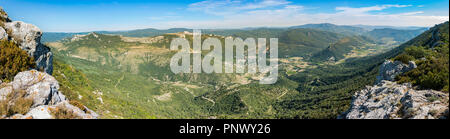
394, 34
370, 27
348, 30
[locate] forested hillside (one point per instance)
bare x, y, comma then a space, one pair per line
345, 30
430, 50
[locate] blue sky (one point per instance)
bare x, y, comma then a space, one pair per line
95, 15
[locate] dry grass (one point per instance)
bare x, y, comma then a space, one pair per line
15, 103
79, 105
62, 112
4, 84
3, 108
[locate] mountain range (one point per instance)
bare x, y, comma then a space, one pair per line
319, 70
126, 74
341, 29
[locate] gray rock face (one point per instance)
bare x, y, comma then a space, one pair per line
42, 88
389, 70
28, 37
389, 100
3, 34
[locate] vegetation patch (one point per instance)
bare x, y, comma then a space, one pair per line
13, 60
79, 105
432, 59
62, 112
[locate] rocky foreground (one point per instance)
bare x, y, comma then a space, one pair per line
389, 100
34, 94
38, 96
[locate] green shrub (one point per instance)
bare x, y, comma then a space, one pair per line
13, 60
417, 52
404, 58
432, 73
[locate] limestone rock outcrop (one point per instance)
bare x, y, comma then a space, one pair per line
389, 100
43, 92
28, 37
388, 70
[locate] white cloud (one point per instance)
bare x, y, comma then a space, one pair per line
225, 7
278, 13
412, 13
362, 10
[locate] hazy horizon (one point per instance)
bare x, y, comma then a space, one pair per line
120, 15
242, 28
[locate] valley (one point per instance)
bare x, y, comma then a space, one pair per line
129, 77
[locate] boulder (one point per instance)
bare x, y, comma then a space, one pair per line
28, 37
43, 89
40, 86
389, 70
87, 114
41, 112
